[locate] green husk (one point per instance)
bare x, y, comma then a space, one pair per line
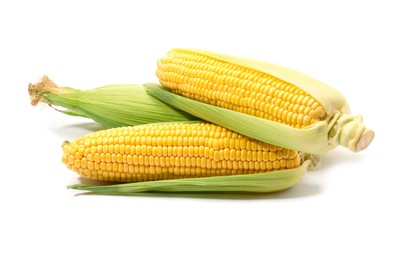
260, 182
111, 106
318, 138
312, 139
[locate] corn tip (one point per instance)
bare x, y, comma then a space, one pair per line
365, 140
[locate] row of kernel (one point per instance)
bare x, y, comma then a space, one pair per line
183, 162
106, 155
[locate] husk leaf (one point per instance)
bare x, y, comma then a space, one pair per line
320, 137
260, 182
112, 105
312, 139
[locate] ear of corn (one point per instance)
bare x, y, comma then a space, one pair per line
261, 90
174, 151
111, 106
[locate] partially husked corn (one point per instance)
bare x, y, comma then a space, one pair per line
286, 107
172, 151
238, 88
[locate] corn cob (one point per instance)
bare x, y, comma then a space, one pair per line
311, 115
172, 151
231, 86
112, 105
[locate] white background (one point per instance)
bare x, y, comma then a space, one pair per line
343, 211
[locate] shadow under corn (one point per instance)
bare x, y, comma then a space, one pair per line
76, 130
340, 156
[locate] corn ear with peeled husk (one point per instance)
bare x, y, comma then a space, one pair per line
260, 100
180, 157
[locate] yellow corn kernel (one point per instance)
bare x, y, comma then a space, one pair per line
212, 155
238, 88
